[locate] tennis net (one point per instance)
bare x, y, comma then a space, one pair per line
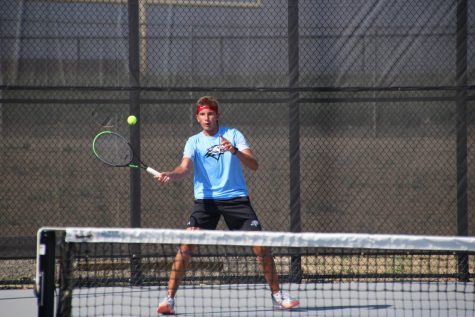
125, 272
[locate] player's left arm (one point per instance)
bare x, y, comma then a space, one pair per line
246, 156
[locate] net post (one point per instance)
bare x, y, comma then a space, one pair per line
461, 128
46, 264
65, 296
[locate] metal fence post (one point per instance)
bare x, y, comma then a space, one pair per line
294, 132
461, 77
134, 109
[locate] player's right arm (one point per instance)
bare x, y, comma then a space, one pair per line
180, 172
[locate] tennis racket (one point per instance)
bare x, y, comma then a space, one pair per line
113, 149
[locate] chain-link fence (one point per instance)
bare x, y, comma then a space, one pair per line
359, 112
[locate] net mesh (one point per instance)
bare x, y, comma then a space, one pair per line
112, 273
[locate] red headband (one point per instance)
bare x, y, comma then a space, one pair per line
206, 106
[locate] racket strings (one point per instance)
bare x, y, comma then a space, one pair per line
113, 150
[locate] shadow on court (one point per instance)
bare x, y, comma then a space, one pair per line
342, 307
300, 311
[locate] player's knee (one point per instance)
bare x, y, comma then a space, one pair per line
261, 252
187, 250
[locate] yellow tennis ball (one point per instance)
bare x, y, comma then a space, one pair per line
132, 120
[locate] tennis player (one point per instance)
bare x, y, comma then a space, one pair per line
218, 154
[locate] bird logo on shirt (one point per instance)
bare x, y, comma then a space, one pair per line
215, 151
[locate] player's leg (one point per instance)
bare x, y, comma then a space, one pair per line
239, 215
182, 258
202, 217
267, 267
280, 300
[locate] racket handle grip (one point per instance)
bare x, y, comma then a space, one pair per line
152, 171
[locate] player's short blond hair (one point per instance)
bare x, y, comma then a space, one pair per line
207, 102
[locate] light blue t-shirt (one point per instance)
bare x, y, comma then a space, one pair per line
218, 174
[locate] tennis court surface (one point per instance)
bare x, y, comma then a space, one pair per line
124, 272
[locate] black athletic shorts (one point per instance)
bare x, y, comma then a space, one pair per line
237, 212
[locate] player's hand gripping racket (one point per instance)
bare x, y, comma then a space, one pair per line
114, 150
